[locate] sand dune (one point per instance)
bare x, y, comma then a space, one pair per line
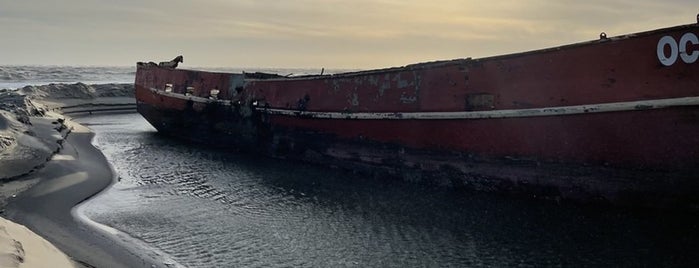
20, 247
30, 133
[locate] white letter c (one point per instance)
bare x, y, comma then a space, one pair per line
684, 42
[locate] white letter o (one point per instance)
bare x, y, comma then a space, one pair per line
684, 42
667, 40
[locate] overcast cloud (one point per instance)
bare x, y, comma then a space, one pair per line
310, 33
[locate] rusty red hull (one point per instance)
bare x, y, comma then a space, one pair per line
614, 119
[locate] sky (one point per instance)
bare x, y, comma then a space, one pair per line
355, 34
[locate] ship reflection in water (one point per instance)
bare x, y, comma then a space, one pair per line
211, 208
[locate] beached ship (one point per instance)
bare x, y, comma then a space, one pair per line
615, 119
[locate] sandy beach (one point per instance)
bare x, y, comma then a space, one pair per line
48, 166
21, 247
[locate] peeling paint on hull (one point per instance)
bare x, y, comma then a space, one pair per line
623, 130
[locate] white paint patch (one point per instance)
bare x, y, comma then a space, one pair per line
188, 97
514, 113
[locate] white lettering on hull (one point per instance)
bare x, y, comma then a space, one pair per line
677, 50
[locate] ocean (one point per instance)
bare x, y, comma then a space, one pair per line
12, 77
207, 207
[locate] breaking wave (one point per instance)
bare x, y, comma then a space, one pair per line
12, 77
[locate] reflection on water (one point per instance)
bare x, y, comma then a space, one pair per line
211, 208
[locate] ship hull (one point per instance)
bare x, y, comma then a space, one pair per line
622, 129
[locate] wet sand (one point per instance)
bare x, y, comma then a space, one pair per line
75, 174
47, 170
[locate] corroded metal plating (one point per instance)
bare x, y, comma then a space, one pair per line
574, 118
